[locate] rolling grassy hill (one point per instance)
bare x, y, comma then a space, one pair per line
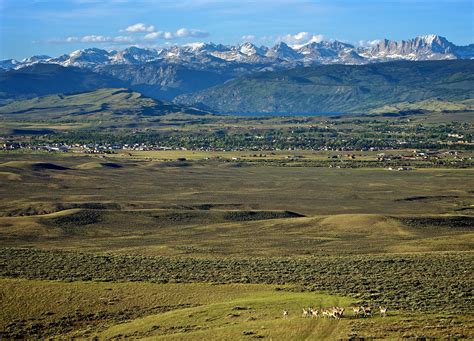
212, 209
430, 105
102, 104
340, 88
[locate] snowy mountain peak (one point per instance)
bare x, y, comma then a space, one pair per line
282, 46
133, 55
85, 58
201, 55
282, 51
8, 64
34, 59
250, 49
420, 48
195, 46
431, 39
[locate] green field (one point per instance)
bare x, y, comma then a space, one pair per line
196, 312
141, 245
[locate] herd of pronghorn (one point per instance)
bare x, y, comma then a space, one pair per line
338, 312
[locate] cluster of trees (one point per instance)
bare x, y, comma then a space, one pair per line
267, 140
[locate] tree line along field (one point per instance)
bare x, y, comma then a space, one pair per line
205, 248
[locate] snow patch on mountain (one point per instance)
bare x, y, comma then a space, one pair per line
202, 55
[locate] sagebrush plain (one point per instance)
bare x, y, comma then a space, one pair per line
142, 245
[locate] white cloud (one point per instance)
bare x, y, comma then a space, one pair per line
151, 34
154, 35
95, 39
123, 39
168, 35
248, 37
186, 32
301, 38
67, 40
140, 27
368, 43
148, 33
180, 33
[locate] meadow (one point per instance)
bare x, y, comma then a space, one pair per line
197, 311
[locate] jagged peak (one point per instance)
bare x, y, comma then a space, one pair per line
429, 46
430, 38
94, 50
282, 45
196, 45
35, 58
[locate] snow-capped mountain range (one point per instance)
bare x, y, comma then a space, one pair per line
430, 47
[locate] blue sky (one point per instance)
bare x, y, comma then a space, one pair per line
54, 27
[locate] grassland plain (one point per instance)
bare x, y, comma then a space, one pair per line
214, 249
429, 295
171, 311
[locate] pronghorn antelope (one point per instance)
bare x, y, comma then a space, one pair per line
357, 311
336, 312
314, 312
325, 313
306, 312
367, 310
285, 313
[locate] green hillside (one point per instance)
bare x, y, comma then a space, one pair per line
340, 88
429, 105
103, 104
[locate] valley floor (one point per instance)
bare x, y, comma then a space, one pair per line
134, 247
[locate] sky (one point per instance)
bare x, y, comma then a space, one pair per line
55, 27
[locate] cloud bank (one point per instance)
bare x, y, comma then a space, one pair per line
140, 27
248, 37
138, 33
301, 38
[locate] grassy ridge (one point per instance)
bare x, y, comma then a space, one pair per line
102, 104
233, 233
432, 106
